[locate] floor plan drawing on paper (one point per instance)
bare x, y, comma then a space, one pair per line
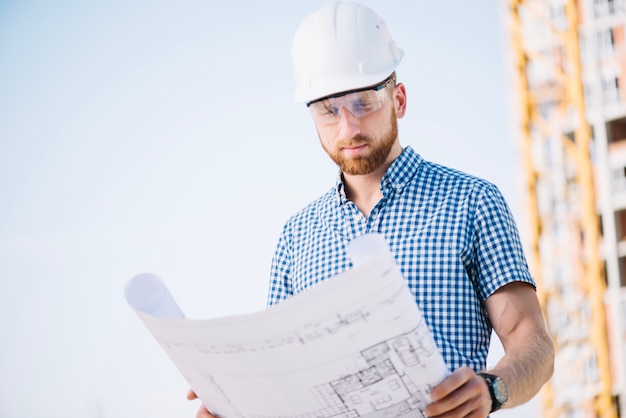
326, 325
375, 382
382, 388
352, 346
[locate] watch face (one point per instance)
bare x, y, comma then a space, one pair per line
500, 390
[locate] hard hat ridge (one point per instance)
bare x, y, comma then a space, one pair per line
342, 46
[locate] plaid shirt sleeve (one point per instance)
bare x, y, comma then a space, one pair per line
499, 256
280, 287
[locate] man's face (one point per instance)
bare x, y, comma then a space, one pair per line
361, 145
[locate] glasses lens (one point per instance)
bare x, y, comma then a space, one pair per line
359, 104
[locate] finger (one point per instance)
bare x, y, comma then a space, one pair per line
469, 399
203, 413
452, 383
191, 395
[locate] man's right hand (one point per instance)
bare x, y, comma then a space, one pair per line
202, 412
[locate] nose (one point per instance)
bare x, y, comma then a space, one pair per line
348, 124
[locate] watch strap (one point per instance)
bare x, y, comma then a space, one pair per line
490, 379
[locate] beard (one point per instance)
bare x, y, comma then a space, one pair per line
376, 157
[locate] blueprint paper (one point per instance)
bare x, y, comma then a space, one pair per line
352, 346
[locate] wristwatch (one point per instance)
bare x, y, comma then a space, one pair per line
497, 389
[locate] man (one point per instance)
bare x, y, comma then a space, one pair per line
452, 234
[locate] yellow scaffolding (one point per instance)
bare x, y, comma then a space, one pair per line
554, 110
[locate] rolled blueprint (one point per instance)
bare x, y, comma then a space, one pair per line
147, 293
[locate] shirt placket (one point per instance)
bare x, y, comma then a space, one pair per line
373, 221
356, 223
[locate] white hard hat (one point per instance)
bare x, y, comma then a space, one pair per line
343, 46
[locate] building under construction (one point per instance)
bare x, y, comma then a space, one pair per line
569, 64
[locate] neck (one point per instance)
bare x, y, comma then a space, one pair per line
364, 189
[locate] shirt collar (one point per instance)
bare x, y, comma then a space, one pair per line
396, 177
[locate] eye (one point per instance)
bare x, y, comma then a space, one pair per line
328, 109
322, 109
362, 105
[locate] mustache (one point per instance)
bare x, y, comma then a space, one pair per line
354, 141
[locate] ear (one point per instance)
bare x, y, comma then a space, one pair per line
399, 100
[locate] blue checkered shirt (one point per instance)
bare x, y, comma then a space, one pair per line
452, 235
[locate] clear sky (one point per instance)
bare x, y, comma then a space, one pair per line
161, 136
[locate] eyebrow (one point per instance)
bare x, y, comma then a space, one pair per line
376, 87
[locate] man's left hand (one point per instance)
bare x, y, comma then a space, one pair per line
463, 394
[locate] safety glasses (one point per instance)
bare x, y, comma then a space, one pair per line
362, 102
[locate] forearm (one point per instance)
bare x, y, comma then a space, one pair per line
526, 367
528, 359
